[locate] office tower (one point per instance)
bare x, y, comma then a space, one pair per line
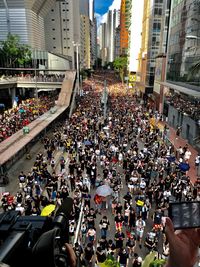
102, 43
125, 19
61, 28
93, 41
85, 33
107, 36
26, 19
160, 65
135, 34
117, 42
91, 9
151, 33
93, 33
182, 96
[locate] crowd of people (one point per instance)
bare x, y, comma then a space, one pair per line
42, 77
186, 106
28, 110
121, 152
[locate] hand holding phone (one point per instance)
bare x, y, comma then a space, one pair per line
183, 246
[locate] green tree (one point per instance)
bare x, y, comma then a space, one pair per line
13, 52
110, 262
120, 65
151, 261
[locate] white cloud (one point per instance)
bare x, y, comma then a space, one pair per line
115, 5
102, 18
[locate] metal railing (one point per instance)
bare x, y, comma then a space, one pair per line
32, 79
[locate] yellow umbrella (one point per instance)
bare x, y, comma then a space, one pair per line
48, 210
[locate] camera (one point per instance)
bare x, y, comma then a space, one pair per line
35, 240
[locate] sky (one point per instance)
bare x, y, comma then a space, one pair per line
102, 7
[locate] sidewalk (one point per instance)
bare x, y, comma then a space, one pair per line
178, 141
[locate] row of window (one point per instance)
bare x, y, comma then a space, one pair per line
63, 29
63, 20
54, 47
63, 38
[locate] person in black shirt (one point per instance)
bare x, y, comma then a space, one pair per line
100, 255
119, 238
130, 244
110, 247
118, 208
91, 218
104, 226
123, 258
88, 254
127, 198
119, 219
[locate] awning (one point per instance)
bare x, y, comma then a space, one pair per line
46, 89
182, 89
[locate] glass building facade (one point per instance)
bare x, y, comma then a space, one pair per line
155, 23
183, 66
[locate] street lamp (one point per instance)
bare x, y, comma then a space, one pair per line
35, 63
77, 64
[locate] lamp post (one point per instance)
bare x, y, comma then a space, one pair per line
77, 64
35, 63
105, 99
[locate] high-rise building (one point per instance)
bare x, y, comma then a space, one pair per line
26, 19
160, 67
61, 29
93, 33
85, 8
117, 42
85, 42
102, 43
107, 36
152, 21
182, 98
142, 60
93, 41
125, 21
135, 34
91, 9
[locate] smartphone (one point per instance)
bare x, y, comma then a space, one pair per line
185, 214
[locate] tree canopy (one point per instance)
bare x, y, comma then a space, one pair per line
120, 65
13, 52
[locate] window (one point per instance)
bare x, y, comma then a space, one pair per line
52, 10
158, 11
54, 38
53, 20
54, 47
53, 29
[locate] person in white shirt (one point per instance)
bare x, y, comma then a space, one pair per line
187, 154
140, 225
142, 184
167, 194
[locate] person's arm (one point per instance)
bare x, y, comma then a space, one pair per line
118, 258
183, 246
127, 261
